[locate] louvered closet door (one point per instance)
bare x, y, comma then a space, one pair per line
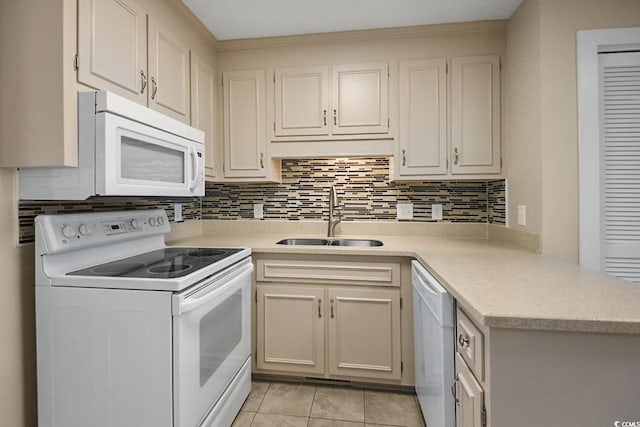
620, 160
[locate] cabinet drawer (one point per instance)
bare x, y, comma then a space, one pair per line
333, 272
470, 344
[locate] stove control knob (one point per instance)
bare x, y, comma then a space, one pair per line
84, 229
160, 220
152, 221
68, 231
135, 223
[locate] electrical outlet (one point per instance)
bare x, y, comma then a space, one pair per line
436, 211
404, 210
177, 212
258, 210
522, 215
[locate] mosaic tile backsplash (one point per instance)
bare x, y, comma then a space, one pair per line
364, 190
29, 209
363, 187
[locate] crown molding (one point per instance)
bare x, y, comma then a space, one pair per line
360, 35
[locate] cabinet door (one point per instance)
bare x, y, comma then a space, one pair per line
475, 114
422, 141
302, 99
168, 73
290, 329
364, 333
470, 397
112, 47
244, 124
203, 98
360, 99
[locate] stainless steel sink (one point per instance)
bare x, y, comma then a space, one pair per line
355, 242
330, 242
307, 242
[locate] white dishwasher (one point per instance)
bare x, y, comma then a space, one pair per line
434, 344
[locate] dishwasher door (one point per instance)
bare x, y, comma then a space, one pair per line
434, 345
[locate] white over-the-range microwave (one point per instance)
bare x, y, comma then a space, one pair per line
124, 149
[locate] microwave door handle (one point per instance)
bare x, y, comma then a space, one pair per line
193, 157
185, 305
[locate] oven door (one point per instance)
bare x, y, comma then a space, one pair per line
211, 341
133, 159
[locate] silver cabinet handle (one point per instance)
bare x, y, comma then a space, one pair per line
261, 160
319, 308
454, 390
154, 89
325, 117
335, 117
404, 157
456, 156
143, 77
463, 341
331, 301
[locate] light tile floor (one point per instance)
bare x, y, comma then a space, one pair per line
274, 404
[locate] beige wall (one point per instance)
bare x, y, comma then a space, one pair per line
522, 116
552, 191
17, 316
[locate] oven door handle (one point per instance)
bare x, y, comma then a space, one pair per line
184, 304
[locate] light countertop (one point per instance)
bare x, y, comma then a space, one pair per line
500, 285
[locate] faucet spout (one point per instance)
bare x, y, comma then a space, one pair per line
334, 204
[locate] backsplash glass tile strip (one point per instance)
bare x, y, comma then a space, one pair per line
497, 202
29, 209
363, 188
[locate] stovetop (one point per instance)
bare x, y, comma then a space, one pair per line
167, 263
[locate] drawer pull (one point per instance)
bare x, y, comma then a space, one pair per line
463, 341
319, 308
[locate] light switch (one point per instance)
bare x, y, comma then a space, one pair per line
404, 210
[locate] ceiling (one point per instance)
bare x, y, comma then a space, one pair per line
241, 19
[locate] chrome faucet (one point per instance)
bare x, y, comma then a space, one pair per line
333, 205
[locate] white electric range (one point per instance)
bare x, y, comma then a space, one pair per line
131, 332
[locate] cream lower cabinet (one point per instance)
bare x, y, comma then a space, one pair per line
470, 373
329, 319
364, 333
469, 398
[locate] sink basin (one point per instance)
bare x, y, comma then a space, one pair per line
355, 242
308, 242
329, 242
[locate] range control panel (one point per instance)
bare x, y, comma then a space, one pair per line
75, 231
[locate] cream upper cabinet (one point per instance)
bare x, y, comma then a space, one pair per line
302, 101
168, 73
360, 99
469, 397
290, 329
364, 333
422, 137
115, 40
338, 103
112, 47
203, 99
244, 112
475, 115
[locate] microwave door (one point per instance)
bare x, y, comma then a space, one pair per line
135, 159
